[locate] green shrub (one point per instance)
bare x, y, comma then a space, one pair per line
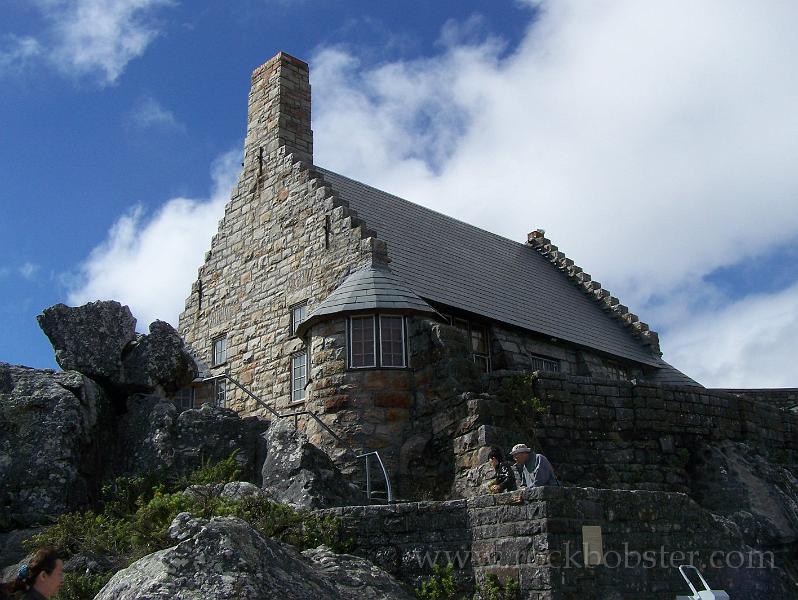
81, 586
123, 495
221, 472
137, 513
85, 533
439, 586
518, 392
492, 589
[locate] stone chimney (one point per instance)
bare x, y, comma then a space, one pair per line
279, 110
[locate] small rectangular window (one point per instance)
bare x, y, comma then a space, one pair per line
220, 393
362, 342
299, 376
298, 314
184, 398
219, 350
479, 340
540, 363
392, 341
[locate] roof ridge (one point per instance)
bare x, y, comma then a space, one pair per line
537, 239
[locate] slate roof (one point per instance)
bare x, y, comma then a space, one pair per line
368, 289
447, 261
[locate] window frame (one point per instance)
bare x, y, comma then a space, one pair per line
184, 398
304, 378
222, 338
544, 360
401, 318
220, 384
350, 330
294, 324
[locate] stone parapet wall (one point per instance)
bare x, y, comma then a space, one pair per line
535, 538
644, 436
786, 398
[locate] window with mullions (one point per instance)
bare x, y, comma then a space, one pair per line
540, 363
219, 346
362, 342
299, 376
479, 347
184, 398
298, 314
392, 341
220, 393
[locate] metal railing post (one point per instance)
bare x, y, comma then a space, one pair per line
368, 479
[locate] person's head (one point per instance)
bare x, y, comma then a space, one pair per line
44, 572
520, 453
495, 456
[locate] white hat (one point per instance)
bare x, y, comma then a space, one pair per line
518, 448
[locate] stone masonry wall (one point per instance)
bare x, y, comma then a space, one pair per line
619, 435
515, 349
285, 238
786, 398
535, 538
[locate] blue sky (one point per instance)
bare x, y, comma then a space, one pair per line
656, 144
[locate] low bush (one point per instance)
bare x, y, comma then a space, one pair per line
136, 514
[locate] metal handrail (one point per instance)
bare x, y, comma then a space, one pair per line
324, 426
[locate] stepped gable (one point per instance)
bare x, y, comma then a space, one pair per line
453, 263
538, 240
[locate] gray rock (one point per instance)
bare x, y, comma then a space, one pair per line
155, 437
759, 495
238, 490
11, 550
49, 440
355, 577
158, 361
298, 473
90, 338
226, 558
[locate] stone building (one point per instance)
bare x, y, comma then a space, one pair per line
321, 293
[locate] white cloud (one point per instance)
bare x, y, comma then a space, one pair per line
96, 38
655, 142
749, 343
149, 263
17, 52
149, 114
28, 270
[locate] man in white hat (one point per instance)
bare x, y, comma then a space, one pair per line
532, 472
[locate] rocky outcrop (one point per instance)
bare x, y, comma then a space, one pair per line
759, 495
226, 558
296, 472
90, 338
99, 340
155, 437
158, 360
50, 440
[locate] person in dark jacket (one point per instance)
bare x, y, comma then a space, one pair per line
504, 480
39, 578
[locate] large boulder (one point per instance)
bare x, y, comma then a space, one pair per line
99, 339
158, 361
298, 473
90, 338
226, 558
156, 437
49, 443
354, 577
